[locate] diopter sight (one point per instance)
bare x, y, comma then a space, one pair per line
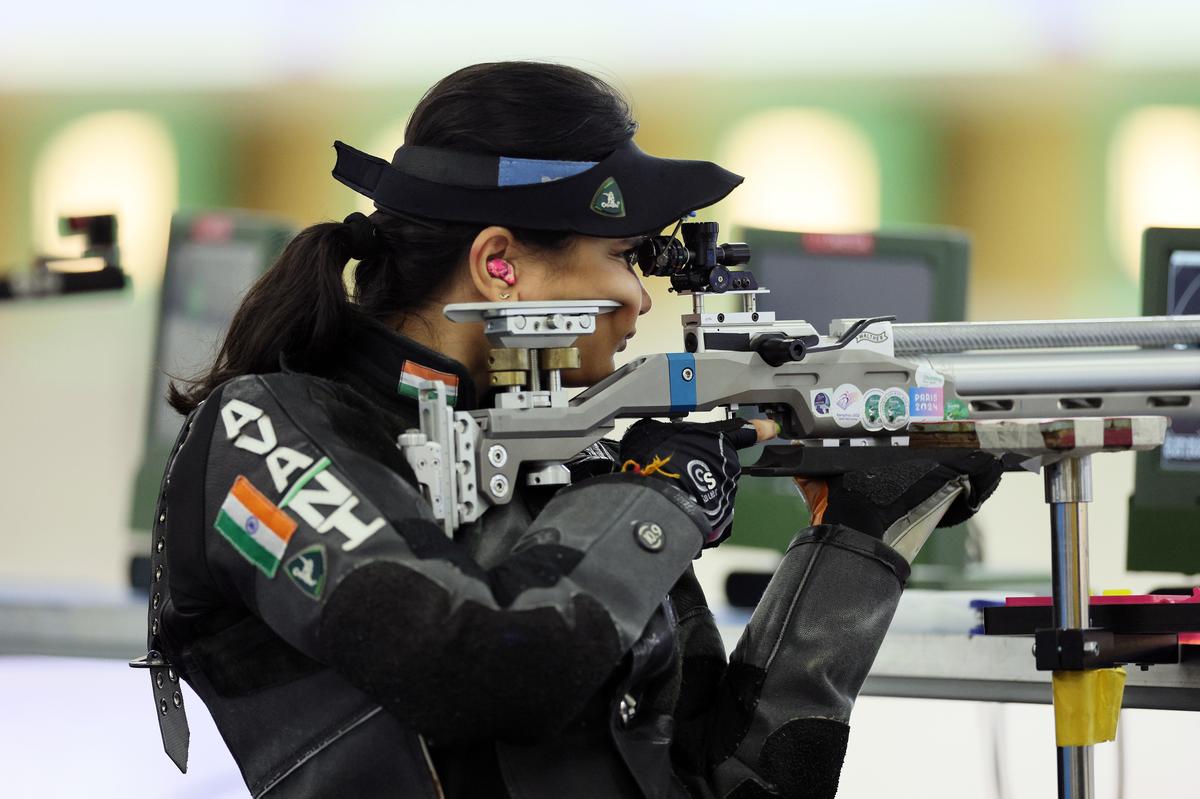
695, 262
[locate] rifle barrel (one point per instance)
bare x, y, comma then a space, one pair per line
985, 373
1142, 331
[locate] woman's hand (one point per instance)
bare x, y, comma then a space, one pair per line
700, 458
765, 429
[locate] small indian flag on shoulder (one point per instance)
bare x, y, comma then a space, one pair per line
413, 373
257, 528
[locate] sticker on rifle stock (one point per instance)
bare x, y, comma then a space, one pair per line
956, 410
821, 400
929, 377
925, 404
893, 408
872, 401
847, 405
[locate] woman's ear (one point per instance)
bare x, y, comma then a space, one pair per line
492, 271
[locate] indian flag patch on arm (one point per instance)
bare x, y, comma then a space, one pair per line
258, 529
413, 373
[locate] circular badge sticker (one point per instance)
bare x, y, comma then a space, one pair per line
893, 408
820, 403
847, 405
872, 401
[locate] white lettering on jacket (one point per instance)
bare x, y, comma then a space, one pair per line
236, 415
333, 493
284, 463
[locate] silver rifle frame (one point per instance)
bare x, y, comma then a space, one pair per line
469, 461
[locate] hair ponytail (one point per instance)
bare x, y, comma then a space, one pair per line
299, 307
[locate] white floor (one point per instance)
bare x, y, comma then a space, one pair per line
75, 727
930, 749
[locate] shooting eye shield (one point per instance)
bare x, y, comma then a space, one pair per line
628, 193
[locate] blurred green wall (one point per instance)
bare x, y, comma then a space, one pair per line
1020, 162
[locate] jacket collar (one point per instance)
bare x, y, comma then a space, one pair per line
390, 367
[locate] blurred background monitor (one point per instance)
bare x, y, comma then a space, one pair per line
213, 257
917, 275
1164, 511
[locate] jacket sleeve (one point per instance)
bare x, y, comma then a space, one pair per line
780, 724
309, 523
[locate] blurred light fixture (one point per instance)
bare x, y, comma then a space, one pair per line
805, 169
1153, 176
119, 162
79, 265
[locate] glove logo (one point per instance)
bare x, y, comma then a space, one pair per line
704, 480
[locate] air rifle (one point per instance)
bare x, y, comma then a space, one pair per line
867, 393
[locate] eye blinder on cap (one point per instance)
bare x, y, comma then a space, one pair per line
628, 193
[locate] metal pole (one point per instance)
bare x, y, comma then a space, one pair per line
535, 376
1068, 490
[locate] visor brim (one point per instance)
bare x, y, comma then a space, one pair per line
641, 194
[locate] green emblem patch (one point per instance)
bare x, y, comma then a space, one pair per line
307, 570
608, 200
957, 410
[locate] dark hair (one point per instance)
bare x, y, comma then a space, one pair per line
300, 309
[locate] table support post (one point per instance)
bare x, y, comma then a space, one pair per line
1068, 490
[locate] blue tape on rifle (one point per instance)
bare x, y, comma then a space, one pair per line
682, 367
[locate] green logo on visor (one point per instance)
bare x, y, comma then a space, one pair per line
608, 200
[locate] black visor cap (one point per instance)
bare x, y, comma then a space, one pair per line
628, 193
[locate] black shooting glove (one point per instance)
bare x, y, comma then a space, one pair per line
872, 501
700, 458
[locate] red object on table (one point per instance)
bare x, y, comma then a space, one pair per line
1121, 599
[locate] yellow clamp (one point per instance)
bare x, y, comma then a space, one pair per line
1086, 705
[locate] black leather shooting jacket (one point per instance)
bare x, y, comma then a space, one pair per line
345, 646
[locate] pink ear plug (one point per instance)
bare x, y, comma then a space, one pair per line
502, 270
